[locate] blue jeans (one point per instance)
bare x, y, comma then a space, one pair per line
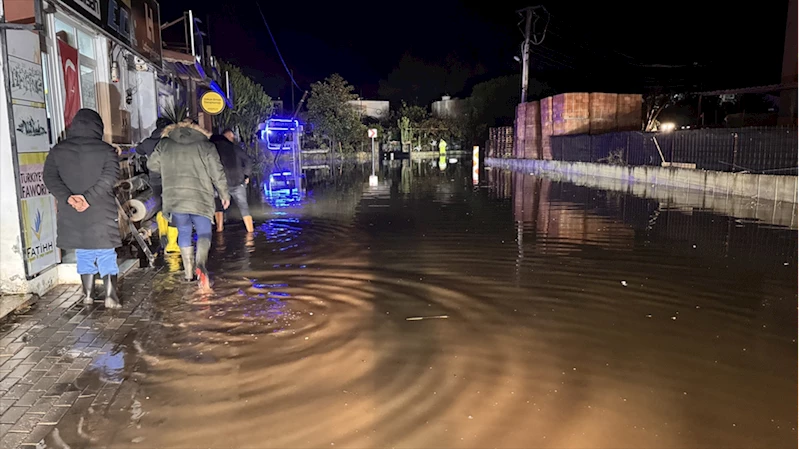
238, 194
93, 261
185, 223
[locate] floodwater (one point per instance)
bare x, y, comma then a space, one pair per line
430, 312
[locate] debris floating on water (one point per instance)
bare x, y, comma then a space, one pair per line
420, 318
624, 283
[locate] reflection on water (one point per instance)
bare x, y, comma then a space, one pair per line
110, 366
576, 318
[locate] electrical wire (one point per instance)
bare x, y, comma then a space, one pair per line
535, 41
276, 47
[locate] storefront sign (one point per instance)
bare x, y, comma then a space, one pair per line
31, 175
30, 128
31, 143
147, 29
27, 92
212, 103
135, 23
69, 64
38, 220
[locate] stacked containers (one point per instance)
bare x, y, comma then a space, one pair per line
629, 112
570, 114
506, 139
500, 142
546, 128
532, 134
491, 144
602, 112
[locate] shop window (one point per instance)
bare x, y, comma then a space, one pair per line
66, 33
86, 45
88, 91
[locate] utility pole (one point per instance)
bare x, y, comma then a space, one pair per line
789, 97
527, 13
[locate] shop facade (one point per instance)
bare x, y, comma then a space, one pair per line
99, 54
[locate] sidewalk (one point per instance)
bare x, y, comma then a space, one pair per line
51, 358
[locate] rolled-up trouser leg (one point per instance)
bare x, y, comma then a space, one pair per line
239, 196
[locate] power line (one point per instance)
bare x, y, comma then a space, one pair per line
533, 39
276, 48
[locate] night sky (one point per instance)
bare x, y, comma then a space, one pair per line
624, 46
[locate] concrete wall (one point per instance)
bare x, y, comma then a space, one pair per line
371, 108
763, 187
448, 107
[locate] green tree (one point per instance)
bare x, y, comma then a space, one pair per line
435, 129
251, 105
331, 114
416, 114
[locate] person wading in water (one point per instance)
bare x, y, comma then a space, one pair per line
238, 169
190, 171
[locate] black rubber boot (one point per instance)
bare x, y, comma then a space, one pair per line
203, 247
87, 280
112, 300
187, 254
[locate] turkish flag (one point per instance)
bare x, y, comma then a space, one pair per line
69, 64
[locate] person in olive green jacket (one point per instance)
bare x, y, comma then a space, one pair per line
190, 170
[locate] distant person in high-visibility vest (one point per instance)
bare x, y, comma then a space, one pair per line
442, 147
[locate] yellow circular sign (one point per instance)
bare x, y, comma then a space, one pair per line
212, 103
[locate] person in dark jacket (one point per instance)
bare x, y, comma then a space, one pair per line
81, 172
190, 168
238, 169
145, 148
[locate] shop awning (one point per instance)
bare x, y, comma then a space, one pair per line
184, 70
185, 66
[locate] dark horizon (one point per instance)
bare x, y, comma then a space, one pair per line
586, 47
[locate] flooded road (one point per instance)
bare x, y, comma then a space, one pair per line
429, 312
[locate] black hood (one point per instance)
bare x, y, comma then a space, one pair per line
87, 123
219, 138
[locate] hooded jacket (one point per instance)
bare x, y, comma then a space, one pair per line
146, 148
190, 170
235, 161
82, 164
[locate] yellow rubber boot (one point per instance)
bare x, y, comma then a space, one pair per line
172, 240
163, 224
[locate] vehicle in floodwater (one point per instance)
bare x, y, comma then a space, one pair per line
282, 139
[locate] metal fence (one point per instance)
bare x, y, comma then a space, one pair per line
771, 150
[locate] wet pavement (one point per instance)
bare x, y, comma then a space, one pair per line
430, 312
